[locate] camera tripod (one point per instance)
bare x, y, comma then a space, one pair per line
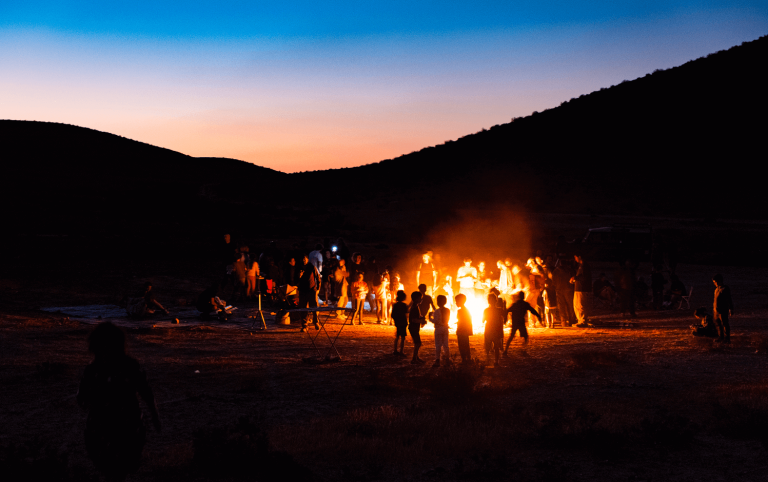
260, 313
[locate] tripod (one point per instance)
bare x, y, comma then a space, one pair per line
260, 313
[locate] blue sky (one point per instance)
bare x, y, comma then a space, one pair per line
311, 85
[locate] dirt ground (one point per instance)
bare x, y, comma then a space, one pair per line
644, 403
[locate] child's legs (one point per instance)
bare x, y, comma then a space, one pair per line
251, 286
379, 309
463, 346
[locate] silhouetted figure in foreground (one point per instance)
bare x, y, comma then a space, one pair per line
706, 326
723, 307
114, 432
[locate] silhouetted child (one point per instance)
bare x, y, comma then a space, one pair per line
440, 320
114, 432
415, 322
518, 310
400, 317
463, 328
359, 292
706, 326
493, 317
427, 303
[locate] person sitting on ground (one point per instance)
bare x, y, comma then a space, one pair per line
604, 290
415, 321
208, 302
706, 326
359, 293
440, 319
400, 317
493, 317
518, 310
145, 303
109, 390
152, 304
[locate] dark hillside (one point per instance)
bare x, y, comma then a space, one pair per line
670, 142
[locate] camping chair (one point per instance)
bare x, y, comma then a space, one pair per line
686, 300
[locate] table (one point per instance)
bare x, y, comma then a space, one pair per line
323, 322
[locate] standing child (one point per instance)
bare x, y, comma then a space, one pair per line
415, 322
400, 316
359, 291
394, 286
518, 310
440, 319
382, 289
463, 328
493, 316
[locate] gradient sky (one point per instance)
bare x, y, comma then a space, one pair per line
313, 85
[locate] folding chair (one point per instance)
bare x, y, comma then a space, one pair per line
686, 299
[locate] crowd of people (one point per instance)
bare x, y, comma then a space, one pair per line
561, 287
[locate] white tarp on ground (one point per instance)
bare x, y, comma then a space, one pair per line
187, 316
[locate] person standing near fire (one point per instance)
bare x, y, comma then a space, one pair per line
467, 276
582, 289
309, 286
415, 321
723, 307
427, 274
506, 285
463, 328
359, 292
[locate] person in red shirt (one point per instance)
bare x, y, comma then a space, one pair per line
359, 292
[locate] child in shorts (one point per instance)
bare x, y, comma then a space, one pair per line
359, 291
440, 319
463, 328
518, 310
400, 317
415, 322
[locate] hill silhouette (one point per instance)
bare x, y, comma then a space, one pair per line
680, 141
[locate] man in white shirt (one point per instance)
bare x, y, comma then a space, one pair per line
467, 276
